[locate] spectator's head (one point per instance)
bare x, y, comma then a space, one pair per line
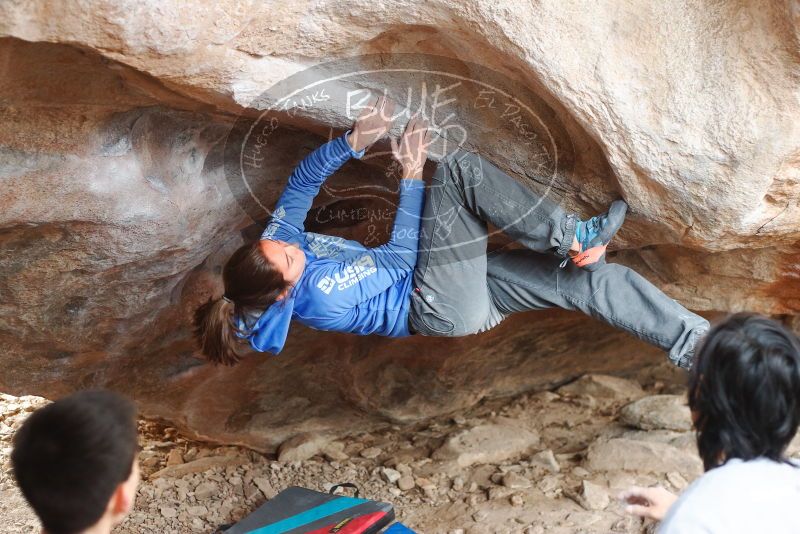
744, 390
75, 461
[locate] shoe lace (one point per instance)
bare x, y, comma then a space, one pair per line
595, 224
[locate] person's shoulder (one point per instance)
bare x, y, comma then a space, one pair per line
730, 494
730, 476
759, 468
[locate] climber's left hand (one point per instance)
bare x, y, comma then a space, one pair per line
373, 123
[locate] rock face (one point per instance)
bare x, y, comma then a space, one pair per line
118, 208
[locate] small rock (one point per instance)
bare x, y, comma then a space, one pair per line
174, 457
205, 491
549, 485
607, 389
667, 412
198, 511
458, 484
263, 484
403, 469
190, 455
498, 492
479, 516
580, 472
474, 499
302, 447
515, 481
406, 483
546, 459
251, 491
390, 475
516, 500
545, 397
371, 452
169, 512
677, 480
593, 497
151, 461
335, 452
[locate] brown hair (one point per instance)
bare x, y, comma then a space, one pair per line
251, 282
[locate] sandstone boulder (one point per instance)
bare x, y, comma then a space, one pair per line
117, 211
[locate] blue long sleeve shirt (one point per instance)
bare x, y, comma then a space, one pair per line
345, 286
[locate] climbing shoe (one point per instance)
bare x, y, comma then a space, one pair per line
593, 236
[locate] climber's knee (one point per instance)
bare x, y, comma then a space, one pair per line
464, 167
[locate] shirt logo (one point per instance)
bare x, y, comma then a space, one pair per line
326, 285
279, 214
360, 268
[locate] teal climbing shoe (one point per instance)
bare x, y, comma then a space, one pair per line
593, 236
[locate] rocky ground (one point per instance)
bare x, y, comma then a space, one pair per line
546, 462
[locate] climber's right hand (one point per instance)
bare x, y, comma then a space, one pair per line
413, 148
373, 123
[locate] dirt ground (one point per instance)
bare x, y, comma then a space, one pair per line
550, 462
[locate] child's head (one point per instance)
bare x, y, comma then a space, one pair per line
255, 277
75, 461
744, 390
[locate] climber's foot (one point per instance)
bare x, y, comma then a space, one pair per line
593, 236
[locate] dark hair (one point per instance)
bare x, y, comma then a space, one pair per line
744, 390
70, 456
251, 282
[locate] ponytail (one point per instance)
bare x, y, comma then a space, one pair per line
216, 331
251, 283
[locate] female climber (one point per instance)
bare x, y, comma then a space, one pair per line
434, 276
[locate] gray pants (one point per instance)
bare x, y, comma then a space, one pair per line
459, 289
